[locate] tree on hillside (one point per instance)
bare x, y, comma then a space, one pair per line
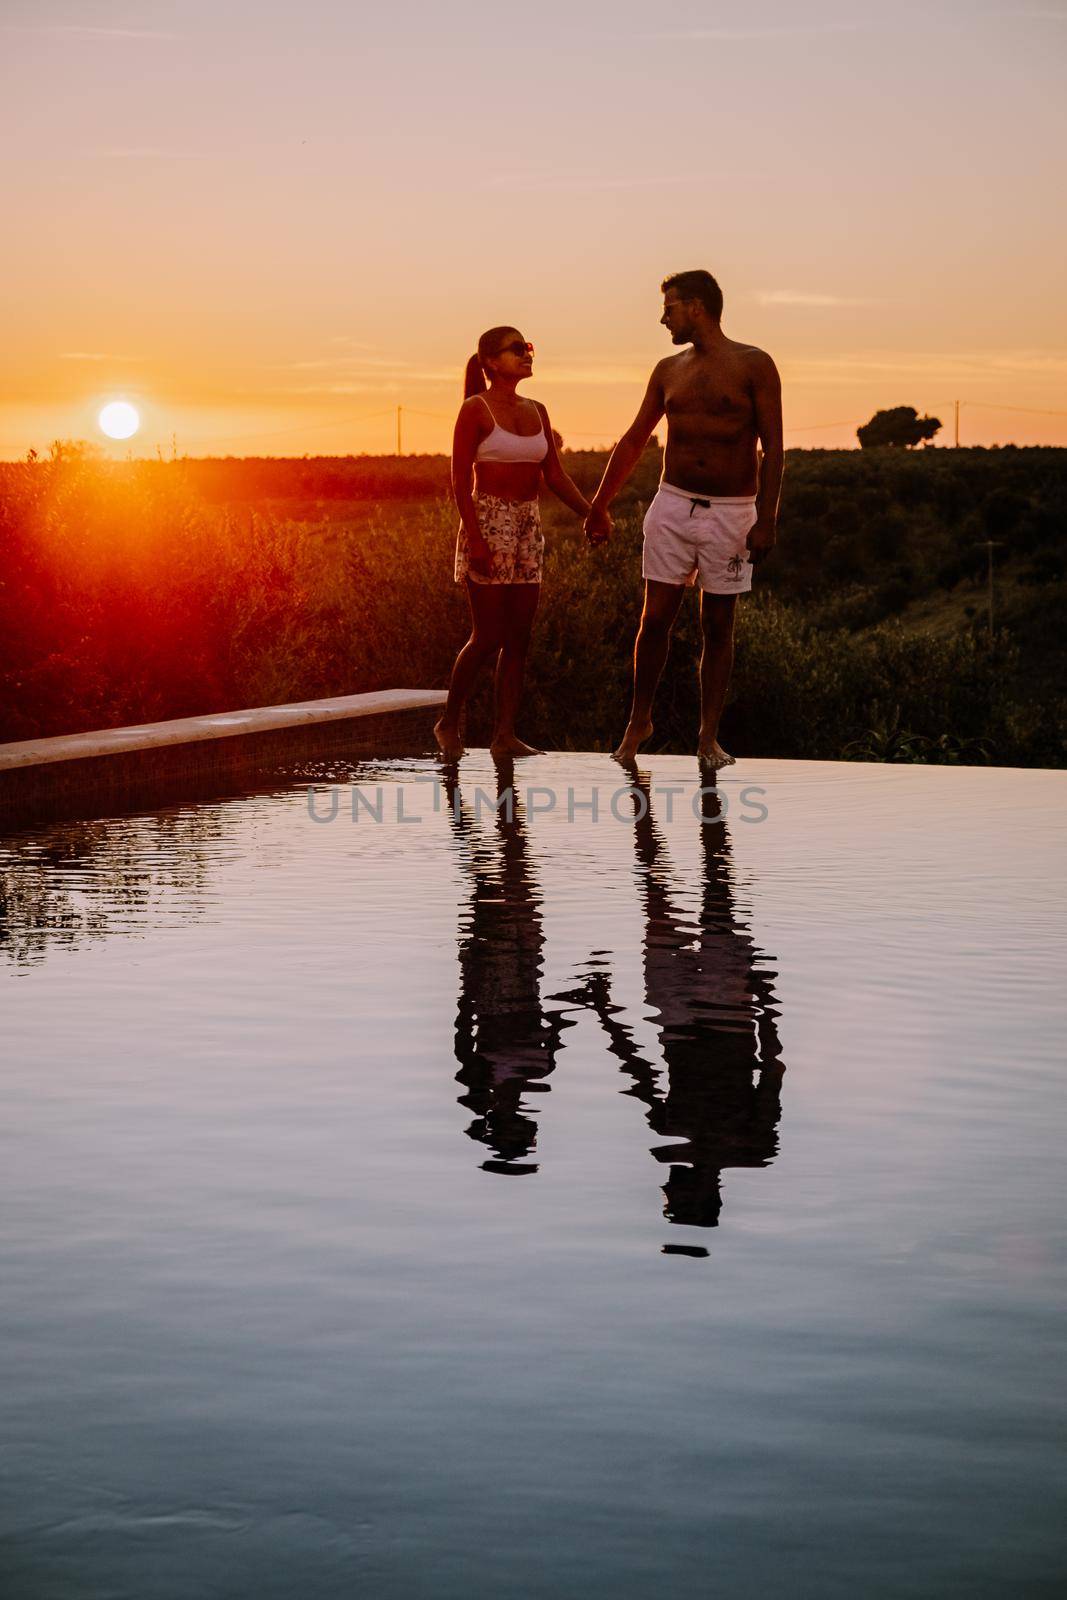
901, 425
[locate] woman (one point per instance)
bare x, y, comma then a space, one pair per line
503, 443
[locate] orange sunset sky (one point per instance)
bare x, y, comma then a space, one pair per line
269, 225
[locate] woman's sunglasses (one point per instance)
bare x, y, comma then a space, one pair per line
517, 347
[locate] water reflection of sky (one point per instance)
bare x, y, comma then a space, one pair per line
270, 1281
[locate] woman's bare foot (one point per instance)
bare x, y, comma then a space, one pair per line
448, 741
711, 754
512, 746
632, 739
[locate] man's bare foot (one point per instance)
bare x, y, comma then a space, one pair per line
513, 746
448, 741
710, 753
631, 741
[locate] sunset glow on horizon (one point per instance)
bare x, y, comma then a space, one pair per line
305, 264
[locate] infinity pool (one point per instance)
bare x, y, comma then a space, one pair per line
412, 1189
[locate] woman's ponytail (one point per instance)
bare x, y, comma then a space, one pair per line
473, 378
489, 345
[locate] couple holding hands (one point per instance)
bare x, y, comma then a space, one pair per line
713, 516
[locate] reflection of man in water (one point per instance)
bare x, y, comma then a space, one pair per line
719, 1101
505, 1041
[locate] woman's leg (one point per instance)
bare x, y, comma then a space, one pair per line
519, 609
486, 601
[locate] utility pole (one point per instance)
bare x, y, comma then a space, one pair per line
399, 448
957, 424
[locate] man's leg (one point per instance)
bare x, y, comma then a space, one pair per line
486, 603
519, 609
650, 654
716, 664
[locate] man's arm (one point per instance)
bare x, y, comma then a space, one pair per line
625, 456
767, 396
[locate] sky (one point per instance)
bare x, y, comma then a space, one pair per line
269, 226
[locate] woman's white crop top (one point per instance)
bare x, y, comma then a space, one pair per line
502, 445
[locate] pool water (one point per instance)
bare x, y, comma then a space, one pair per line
415, 1184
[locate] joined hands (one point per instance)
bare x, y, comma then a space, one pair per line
598, 525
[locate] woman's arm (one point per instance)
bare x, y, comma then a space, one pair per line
555, 477
467, 436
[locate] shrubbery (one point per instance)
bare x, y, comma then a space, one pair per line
126, 598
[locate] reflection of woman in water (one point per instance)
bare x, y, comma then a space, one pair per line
720, 1101
506, 1043
505, 444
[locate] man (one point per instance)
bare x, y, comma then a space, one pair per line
715, 512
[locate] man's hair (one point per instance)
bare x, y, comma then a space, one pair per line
697, 285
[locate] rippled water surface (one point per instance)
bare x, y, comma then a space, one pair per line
459, 1204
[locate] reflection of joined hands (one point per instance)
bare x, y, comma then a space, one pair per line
598, 525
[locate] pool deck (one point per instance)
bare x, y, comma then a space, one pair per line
36, 772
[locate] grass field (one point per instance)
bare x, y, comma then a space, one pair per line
145, 590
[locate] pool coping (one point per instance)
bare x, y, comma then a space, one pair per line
381, 722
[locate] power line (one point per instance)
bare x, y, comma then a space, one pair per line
603, 433
310, 427
583, 433
1033, 411
814, 427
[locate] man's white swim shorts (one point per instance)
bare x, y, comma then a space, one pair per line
691, 535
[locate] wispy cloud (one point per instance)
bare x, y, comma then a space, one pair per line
593, 375
402, 383
334, 389
381, 377
737, 35
934, 365
94, 355
807, 301
148, 152
806, 30
591, 180
79, 30
342, 364
385, 377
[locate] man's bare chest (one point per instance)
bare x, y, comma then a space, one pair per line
723, 395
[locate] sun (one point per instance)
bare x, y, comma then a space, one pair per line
119, 420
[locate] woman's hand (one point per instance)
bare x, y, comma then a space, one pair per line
598, 525
479, 556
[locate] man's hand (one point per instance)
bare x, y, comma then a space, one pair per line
598, 525
760, 541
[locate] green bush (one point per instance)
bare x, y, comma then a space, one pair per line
128, 597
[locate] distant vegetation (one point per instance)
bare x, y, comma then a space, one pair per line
900, 427
138, 591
